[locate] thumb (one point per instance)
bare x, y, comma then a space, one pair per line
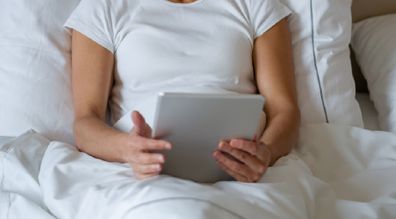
138, 122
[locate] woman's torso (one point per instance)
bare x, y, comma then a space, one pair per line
204, 46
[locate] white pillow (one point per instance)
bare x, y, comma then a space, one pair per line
374, 42
35, 68
321, 32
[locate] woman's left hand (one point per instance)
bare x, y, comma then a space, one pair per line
246, 161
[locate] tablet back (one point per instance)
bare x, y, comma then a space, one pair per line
195, 123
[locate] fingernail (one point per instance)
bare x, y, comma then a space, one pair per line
232, 142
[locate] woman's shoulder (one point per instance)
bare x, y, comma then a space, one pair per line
252, 6
262, 7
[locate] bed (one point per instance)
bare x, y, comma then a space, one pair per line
336, 171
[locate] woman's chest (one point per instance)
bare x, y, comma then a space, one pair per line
154, 46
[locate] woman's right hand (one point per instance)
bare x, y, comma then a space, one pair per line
142, 152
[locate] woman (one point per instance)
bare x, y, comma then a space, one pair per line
123, 51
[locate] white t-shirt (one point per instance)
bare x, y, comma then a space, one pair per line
204, 46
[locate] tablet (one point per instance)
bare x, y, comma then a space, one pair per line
195, 123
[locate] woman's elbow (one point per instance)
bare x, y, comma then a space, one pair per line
293, 113
78, 133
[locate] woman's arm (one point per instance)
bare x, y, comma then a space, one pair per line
92, 78
274, 68
92, 68
275, 80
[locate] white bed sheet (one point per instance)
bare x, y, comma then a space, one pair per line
306, 184
4, 140
20, 193
369, 113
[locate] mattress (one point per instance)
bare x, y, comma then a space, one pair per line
369, 113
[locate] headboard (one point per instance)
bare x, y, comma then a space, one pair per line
362, 9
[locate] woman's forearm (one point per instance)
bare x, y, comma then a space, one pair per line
281, 133
98, 139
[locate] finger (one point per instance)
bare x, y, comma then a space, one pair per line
247, 146
139, 123
145, 176
233, 174
148, 131
235, 166
149, 158
150, 169
154, 145
251, 161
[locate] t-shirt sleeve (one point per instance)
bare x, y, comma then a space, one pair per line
92, 18
265, 14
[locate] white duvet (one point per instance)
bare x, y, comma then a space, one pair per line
336, 172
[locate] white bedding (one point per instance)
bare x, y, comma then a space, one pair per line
369, 113
375, 48
336, 172
4, 140
20, 193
